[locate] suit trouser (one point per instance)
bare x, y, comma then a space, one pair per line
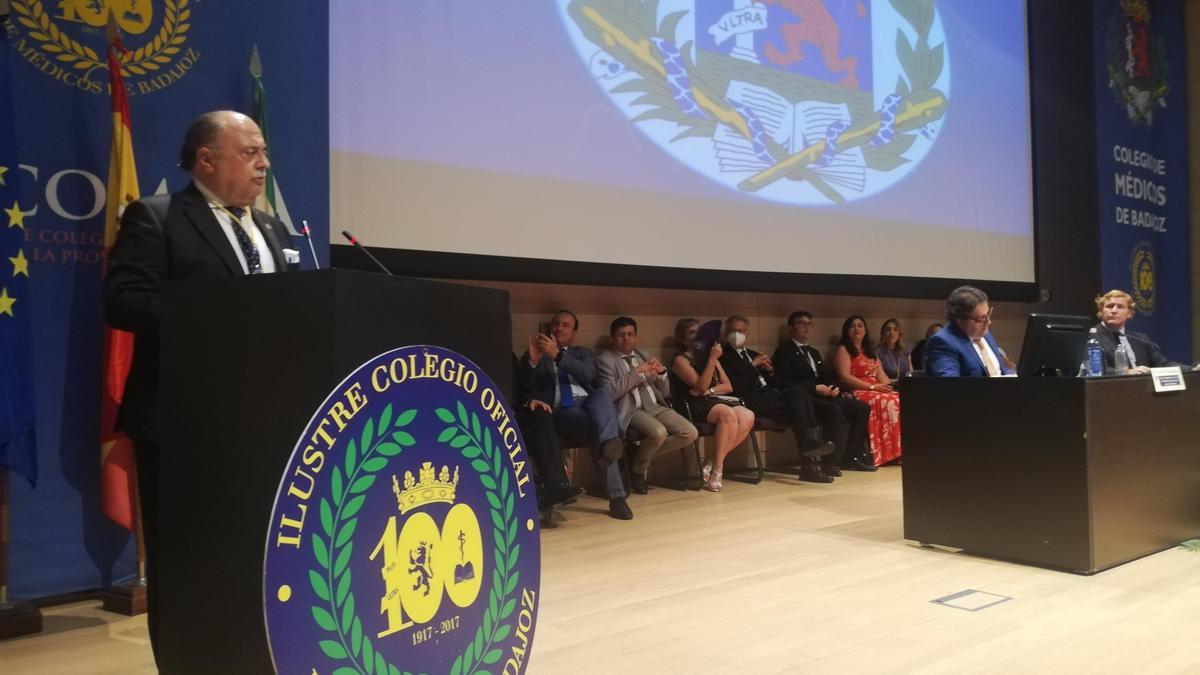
662, 431
844, 421
793, 407
543, 446
145, 456
595, 420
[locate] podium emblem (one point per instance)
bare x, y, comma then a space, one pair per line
404, 532
791, 101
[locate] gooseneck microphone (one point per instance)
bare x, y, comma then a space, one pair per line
312, 249
350, 238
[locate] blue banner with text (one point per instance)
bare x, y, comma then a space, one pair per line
1142, 165
185, 57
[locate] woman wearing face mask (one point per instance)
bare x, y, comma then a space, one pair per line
892, 354
861, 373
697, 374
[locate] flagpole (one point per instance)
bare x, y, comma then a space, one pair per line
16, 617
129, 597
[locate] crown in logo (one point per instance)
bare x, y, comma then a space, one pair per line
428, 490
1138, 10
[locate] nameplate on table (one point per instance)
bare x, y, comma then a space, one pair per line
1169, 378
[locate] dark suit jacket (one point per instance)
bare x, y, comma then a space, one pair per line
163, 238
949, 353
1145, 351
579, 362
741, 374
793, 370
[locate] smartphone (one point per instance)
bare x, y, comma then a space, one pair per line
544, 328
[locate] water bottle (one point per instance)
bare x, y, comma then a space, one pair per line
1121, 357
1095, 355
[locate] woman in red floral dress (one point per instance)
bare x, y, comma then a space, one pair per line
861, 374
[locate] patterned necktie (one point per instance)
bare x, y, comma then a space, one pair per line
641, 391
253, 262
1128, 350
993, 369
566, 396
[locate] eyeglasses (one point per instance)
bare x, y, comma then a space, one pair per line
986, 318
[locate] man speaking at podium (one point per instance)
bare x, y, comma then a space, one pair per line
207, 230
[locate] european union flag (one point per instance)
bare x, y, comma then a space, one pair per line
18, 449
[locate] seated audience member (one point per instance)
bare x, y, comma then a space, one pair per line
918, 351
1114, 309
964, 347
891, 352
748, 372
535, 418
860, 372
700, 378
565, 376
639, 389
843, 419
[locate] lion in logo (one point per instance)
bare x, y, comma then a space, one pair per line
422, 565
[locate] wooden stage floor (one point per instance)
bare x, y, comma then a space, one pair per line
779, 577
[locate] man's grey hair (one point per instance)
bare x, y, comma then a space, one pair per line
203, 131
963, 301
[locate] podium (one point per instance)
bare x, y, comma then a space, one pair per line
1074, 474
245, 364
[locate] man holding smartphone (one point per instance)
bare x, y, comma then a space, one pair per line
564, 377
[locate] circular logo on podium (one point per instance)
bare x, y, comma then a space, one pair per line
404, 533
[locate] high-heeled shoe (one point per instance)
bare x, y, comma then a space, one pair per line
706, 471
713, 483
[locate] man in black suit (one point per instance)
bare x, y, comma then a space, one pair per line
751, 375
535, 418
1114, 309
207, 230
843, 419
565, 377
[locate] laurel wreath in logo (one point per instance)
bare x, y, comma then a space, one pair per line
475, 443
631, 30
148, 57
381, 439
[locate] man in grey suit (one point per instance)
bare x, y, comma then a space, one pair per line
639, 388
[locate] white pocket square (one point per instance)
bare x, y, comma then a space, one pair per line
291, 256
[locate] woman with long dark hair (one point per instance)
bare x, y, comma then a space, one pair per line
861, 374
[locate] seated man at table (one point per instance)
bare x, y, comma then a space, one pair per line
1114, 309
748, 372
639, 387
964, 347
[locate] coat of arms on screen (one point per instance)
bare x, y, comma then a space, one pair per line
65, 40
794, 101
1137, 61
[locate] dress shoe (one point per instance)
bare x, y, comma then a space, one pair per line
637, 483
860, 464
619, 509
832, 470
815, 449
813, 474
546, 519
560, 494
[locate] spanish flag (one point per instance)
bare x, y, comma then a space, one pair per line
118, 476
